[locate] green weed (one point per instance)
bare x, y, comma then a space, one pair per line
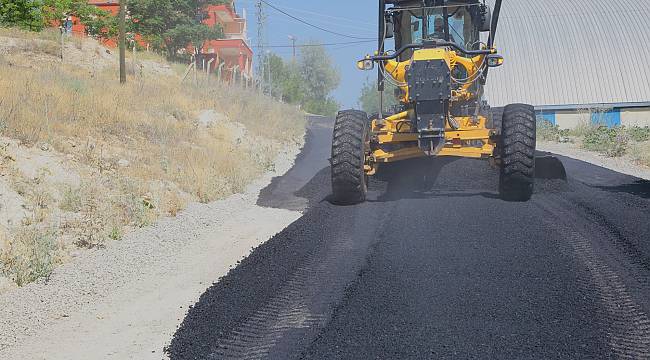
71, 199
639, 134
609, 141
548, 132
30, 256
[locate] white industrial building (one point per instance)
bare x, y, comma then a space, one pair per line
575, 61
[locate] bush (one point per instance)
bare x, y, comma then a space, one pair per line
641, 153
548, 132
71, 199
639, 134
609, 141
31, 255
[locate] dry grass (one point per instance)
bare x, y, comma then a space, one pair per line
641, 153
32, 253
138, 148
50, 34
47, 42
149, 122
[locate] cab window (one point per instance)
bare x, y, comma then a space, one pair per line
429, 23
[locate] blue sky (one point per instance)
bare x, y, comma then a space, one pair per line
352, 17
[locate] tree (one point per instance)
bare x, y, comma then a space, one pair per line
36, 14
96, 20
308, 82
320, 78
287, 80
171, 25
26, 14
369, 99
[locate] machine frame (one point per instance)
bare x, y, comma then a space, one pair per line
466, 130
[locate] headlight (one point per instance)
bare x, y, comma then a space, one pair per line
494, 60
365, 64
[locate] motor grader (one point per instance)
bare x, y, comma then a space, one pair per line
438, 68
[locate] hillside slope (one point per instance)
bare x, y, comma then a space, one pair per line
85, 160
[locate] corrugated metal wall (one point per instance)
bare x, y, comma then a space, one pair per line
565, 52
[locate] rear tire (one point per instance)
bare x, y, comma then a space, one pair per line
518, 142
349, 146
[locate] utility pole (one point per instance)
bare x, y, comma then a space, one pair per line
261, 31
122, 41
293, 45
62, 42
268, 58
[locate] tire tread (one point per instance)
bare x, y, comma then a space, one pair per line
348, 158
518, 144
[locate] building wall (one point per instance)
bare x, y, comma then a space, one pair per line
570, 119
233, 51
635, 117
572, 52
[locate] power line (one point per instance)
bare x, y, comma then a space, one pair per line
328, 24
317, 14
313, 13
324, 21
312, 25
314, 45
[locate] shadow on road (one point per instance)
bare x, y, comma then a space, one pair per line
427, 178
448, 177
640, 188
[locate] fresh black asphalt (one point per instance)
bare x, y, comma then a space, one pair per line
436, 266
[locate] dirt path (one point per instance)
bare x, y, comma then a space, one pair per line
126, 301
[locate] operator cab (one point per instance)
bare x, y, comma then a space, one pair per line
416, 21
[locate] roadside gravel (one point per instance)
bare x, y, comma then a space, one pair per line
623, 165
126, 301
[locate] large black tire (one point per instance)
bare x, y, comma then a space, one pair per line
349, 146
518, 142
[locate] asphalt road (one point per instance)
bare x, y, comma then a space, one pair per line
435, 266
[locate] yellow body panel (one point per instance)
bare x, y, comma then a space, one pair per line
468, 137
397, 155
478, 153
397, 70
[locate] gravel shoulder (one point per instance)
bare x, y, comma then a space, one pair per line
126, 301
623, 165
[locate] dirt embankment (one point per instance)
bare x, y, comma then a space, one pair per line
120, 204
85, 161
125, 301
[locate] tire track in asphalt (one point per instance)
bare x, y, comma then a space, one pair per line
440, 268
291, 308
624, 322
302, 305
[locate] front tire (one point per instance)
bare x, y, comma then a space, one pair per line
349, 147
518, 143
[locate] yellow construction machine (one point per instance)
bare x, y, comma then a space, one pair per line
438, 67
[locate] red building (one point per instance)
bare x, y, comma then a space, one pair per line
232, 55
110, 6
